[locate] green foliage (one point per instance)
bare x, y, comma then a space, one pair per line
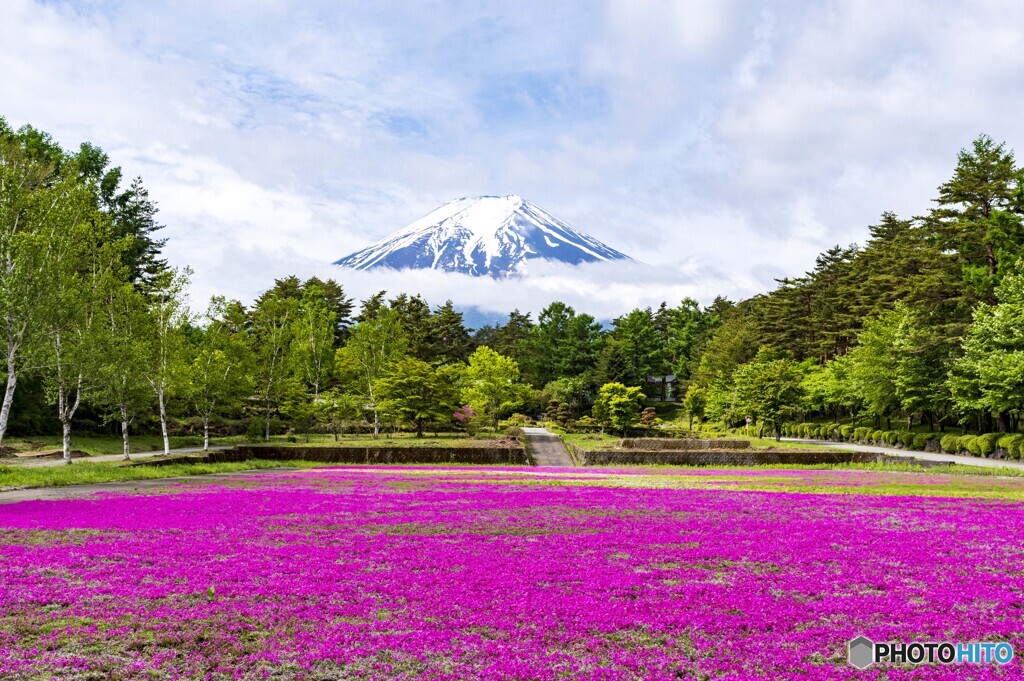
618, 406
920, 441
490, 384
987, 443
418, 393
950, 443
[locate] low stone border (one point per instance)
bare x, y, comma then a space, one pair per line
515, 456
682, 444
737, 458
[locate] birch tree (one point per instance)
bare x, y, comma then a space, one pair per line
38, 208
168, 319
271, 336
122, 349
375, 345
221, 367
313, 339
75, 294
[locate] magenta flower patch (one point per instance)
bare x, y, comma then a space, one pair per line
412, 573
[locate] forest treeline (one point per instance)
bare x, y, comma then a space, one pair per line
923, 322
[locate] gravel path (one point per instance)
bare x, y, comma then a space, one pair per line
547, 448
924, 456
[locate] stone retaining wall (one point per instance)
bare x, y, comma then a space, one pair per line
682, 444
733, 458
515, 456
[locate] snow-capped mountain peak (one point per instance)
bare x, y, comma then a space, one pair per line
492, 235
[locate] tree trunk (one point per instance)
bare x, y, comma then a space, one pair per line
1004, 422
66, 426
266, 423
12, 383
124, 432
376, 425
163, 420
206, 432
691, 421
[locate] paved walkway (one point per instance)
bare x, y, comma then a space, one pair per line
924, 456
547, 448
59, 461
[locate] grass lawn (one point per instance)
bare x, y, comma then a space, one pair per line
100, 445
90, 472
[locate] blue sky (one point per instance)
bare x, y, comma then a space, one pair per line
722, 143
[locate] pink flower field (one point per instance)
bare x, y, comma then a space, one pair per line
433, 573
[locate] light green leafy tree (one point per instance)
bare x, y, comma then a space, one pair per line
990, 375
618, 406
418, 393
768, 389
221, 369
313, 339
169, 318
490, 384
374, 347
122, 346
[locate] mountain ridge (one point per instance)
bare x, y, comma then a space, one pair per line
486, 235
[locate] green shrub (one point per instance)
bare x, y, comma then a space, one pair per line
971, 444
950, 444
906, 438
846, 432
860, 434
892, 437
921, 441
1014, 445
876, 435
988, 442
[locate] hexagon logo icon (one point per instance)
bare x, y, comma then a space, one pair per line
861, 652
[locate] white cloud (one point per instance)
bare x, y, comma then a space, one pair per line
722, 143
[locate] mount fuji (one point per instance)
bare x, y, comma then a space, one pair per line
487, 235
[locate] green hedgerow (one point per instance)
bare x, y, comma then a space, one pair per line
971, 444
988, 443
1015, 446
876, 435
846, 432
950, 444
892, 437
921, 441
860, 434
906, 438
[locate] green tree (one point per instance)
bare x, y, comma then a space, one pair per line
169, 317
122, 346
618, 406
990, 375
42, 207
375, 346
312, 338
768, 389
695, 402
490, 384
450, 340
418, 393
222, 366
270, 333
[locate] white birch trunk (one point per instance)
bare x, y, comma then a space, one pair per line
124, 432
66, 426
206, 432
163, 420
12, 383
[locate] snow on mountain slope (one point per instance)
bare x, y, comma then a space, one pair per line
488, 235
